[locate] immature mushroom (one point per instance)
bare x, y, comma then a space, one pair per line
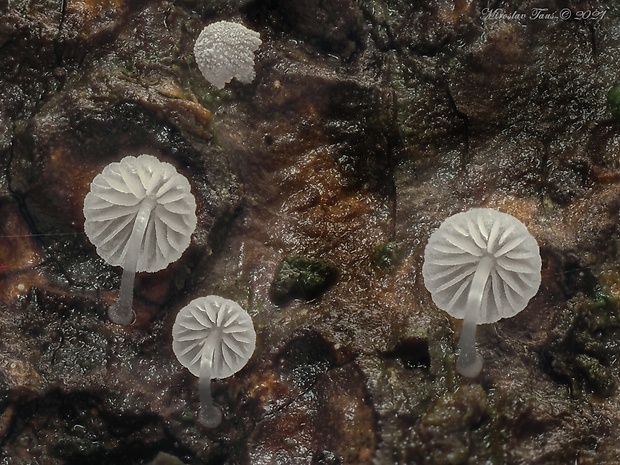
140, 215
480, 265
225, 50
212, 337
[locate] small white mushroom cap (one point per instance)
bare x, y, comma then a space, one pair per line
115, 198
212, 337
455, 250
481, 265
225, 50
216, 328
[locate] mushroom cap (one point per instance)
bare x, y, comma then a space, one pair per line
214, 327
225, 50
455, 249
112, 205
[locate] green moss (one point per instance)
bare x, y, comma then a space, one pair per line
596, 374
299, 277
613, 99
386, 256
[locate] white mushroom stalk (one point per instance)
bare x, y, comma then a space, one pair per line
481, 266
122, 313
212, 337
470, 361
140, 215
210, 415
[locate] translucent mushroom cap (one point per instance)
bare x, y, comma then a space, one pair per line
457, 247
115, 199
216, 328
225, 50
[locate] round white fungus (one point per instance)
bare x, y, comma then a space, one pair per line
212, 337
225, 50
140, 214
481, 265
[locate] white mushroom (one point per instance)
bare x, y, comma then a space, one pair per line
225, 50
212, 337
140, 215
481, 265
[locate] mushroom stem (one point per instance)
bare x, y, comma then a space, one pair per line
210, 415
122, 312
470, 361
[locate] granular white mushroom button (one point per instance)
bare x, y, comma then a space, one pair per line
225, 50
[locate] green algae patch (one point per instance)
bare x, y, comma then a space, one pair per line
613, 100
299, 277
387, 256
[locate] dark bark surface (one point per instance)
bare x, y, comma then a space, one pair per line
317, 188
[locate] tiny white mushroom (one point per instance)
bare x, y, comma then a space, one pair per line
481, 265
225, 50
140, 215
212, 337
